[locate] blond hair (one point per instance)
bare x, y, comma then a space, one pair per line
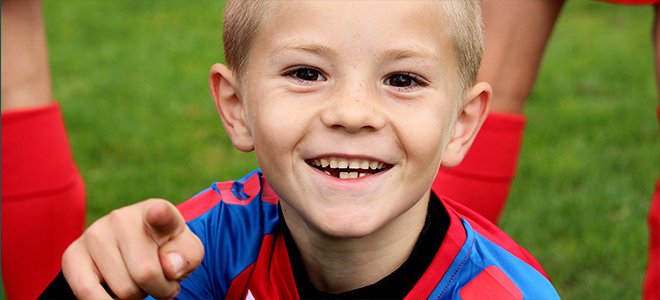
463, 18
242, 21
244, 18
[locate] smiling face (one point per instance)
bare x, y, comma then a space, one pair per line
349, 107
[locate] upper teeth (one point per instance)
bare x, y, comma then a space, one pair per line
343, 163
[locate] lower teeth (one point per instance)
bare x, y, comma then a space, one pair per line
350, 175
346, 175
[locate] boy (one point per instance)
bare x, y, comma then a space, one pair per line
350, 107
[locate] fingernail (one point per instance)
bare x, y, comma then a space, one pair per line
176, 260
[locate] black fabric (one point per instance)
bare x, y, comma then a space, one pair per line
397, 284
57, 289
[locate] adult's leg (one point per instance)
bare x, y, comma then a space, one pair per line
516, 33
652, 280
43, 200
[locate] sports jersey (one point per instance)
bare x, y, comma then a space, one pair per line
246, 257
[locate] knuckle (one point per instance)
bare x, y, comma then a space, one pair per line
95, 235
147, 274
127, 291
83, 289
172, 292
116, 216
69, 254
167, 291
175, 291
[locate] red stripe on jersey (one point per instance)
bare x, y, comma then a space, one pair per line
491, 283
198, 205
204, 201
451, 245
249, 189
267, 193
270, 277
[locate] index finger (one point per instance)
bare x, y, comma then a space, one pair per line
163, 221
160, 222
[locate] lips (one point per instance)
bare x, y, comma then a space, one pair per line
348, 168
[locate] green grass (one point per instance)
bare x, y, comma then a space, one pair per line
590, 155
132, 80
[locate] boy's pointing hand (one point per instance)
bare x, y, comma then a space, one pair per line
145, 248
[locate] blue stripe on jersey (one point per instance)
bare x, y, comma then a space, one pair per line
478, 253
232, 236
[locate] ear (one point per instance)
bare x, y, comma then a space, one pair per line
231, 108
471, 116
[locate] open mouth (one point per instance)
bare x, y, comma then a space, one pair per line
344, 168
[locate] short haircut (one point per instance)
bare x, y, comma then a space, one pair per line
243, 19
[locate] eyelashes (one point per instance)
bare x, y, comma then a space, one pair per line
405, 80
305, 75
399, 81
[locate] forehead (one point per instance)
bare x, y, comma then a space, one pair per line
403, 26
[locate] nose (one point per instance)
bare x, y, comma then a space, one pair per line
354, 109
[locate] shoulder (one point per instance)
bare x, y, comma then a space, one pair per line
247, 205
238, 193
489, 231
231, 219
482, 261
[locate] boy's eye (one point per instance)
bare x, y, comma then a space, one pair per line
306, 74
404, 80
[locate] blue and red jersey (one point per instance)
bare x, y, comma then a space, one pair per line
246, 255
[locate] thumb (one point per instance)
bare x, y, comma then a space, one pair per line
181, 256
163, 221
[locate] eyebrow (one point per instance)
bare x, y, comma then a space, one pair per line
397, 54
309, 48
393, 54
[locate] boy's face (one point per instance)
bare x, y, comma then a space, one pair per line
369, 88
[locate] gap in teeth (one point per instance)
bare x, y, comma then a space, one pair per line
353, 164
350, 175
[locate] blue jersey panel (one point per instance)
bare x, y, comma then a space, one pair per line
231, 235
477, 254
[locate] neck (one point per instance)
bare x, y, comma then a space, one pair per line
337, 265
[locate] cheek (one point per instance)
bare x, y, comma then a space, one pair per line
277, 130
426, 135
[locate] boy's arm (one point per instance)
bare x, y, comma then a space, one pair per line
145, 248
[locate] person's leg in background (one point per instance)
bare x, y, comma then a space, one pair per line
652, 280
43, 198
516, 33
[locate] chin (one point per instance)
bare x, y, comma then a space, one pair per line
348, 227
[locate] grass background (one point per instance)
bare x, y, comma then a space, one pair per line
132, 80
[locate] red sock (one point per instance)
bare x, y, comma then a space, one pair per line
652, 279
482, 181
43, 199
